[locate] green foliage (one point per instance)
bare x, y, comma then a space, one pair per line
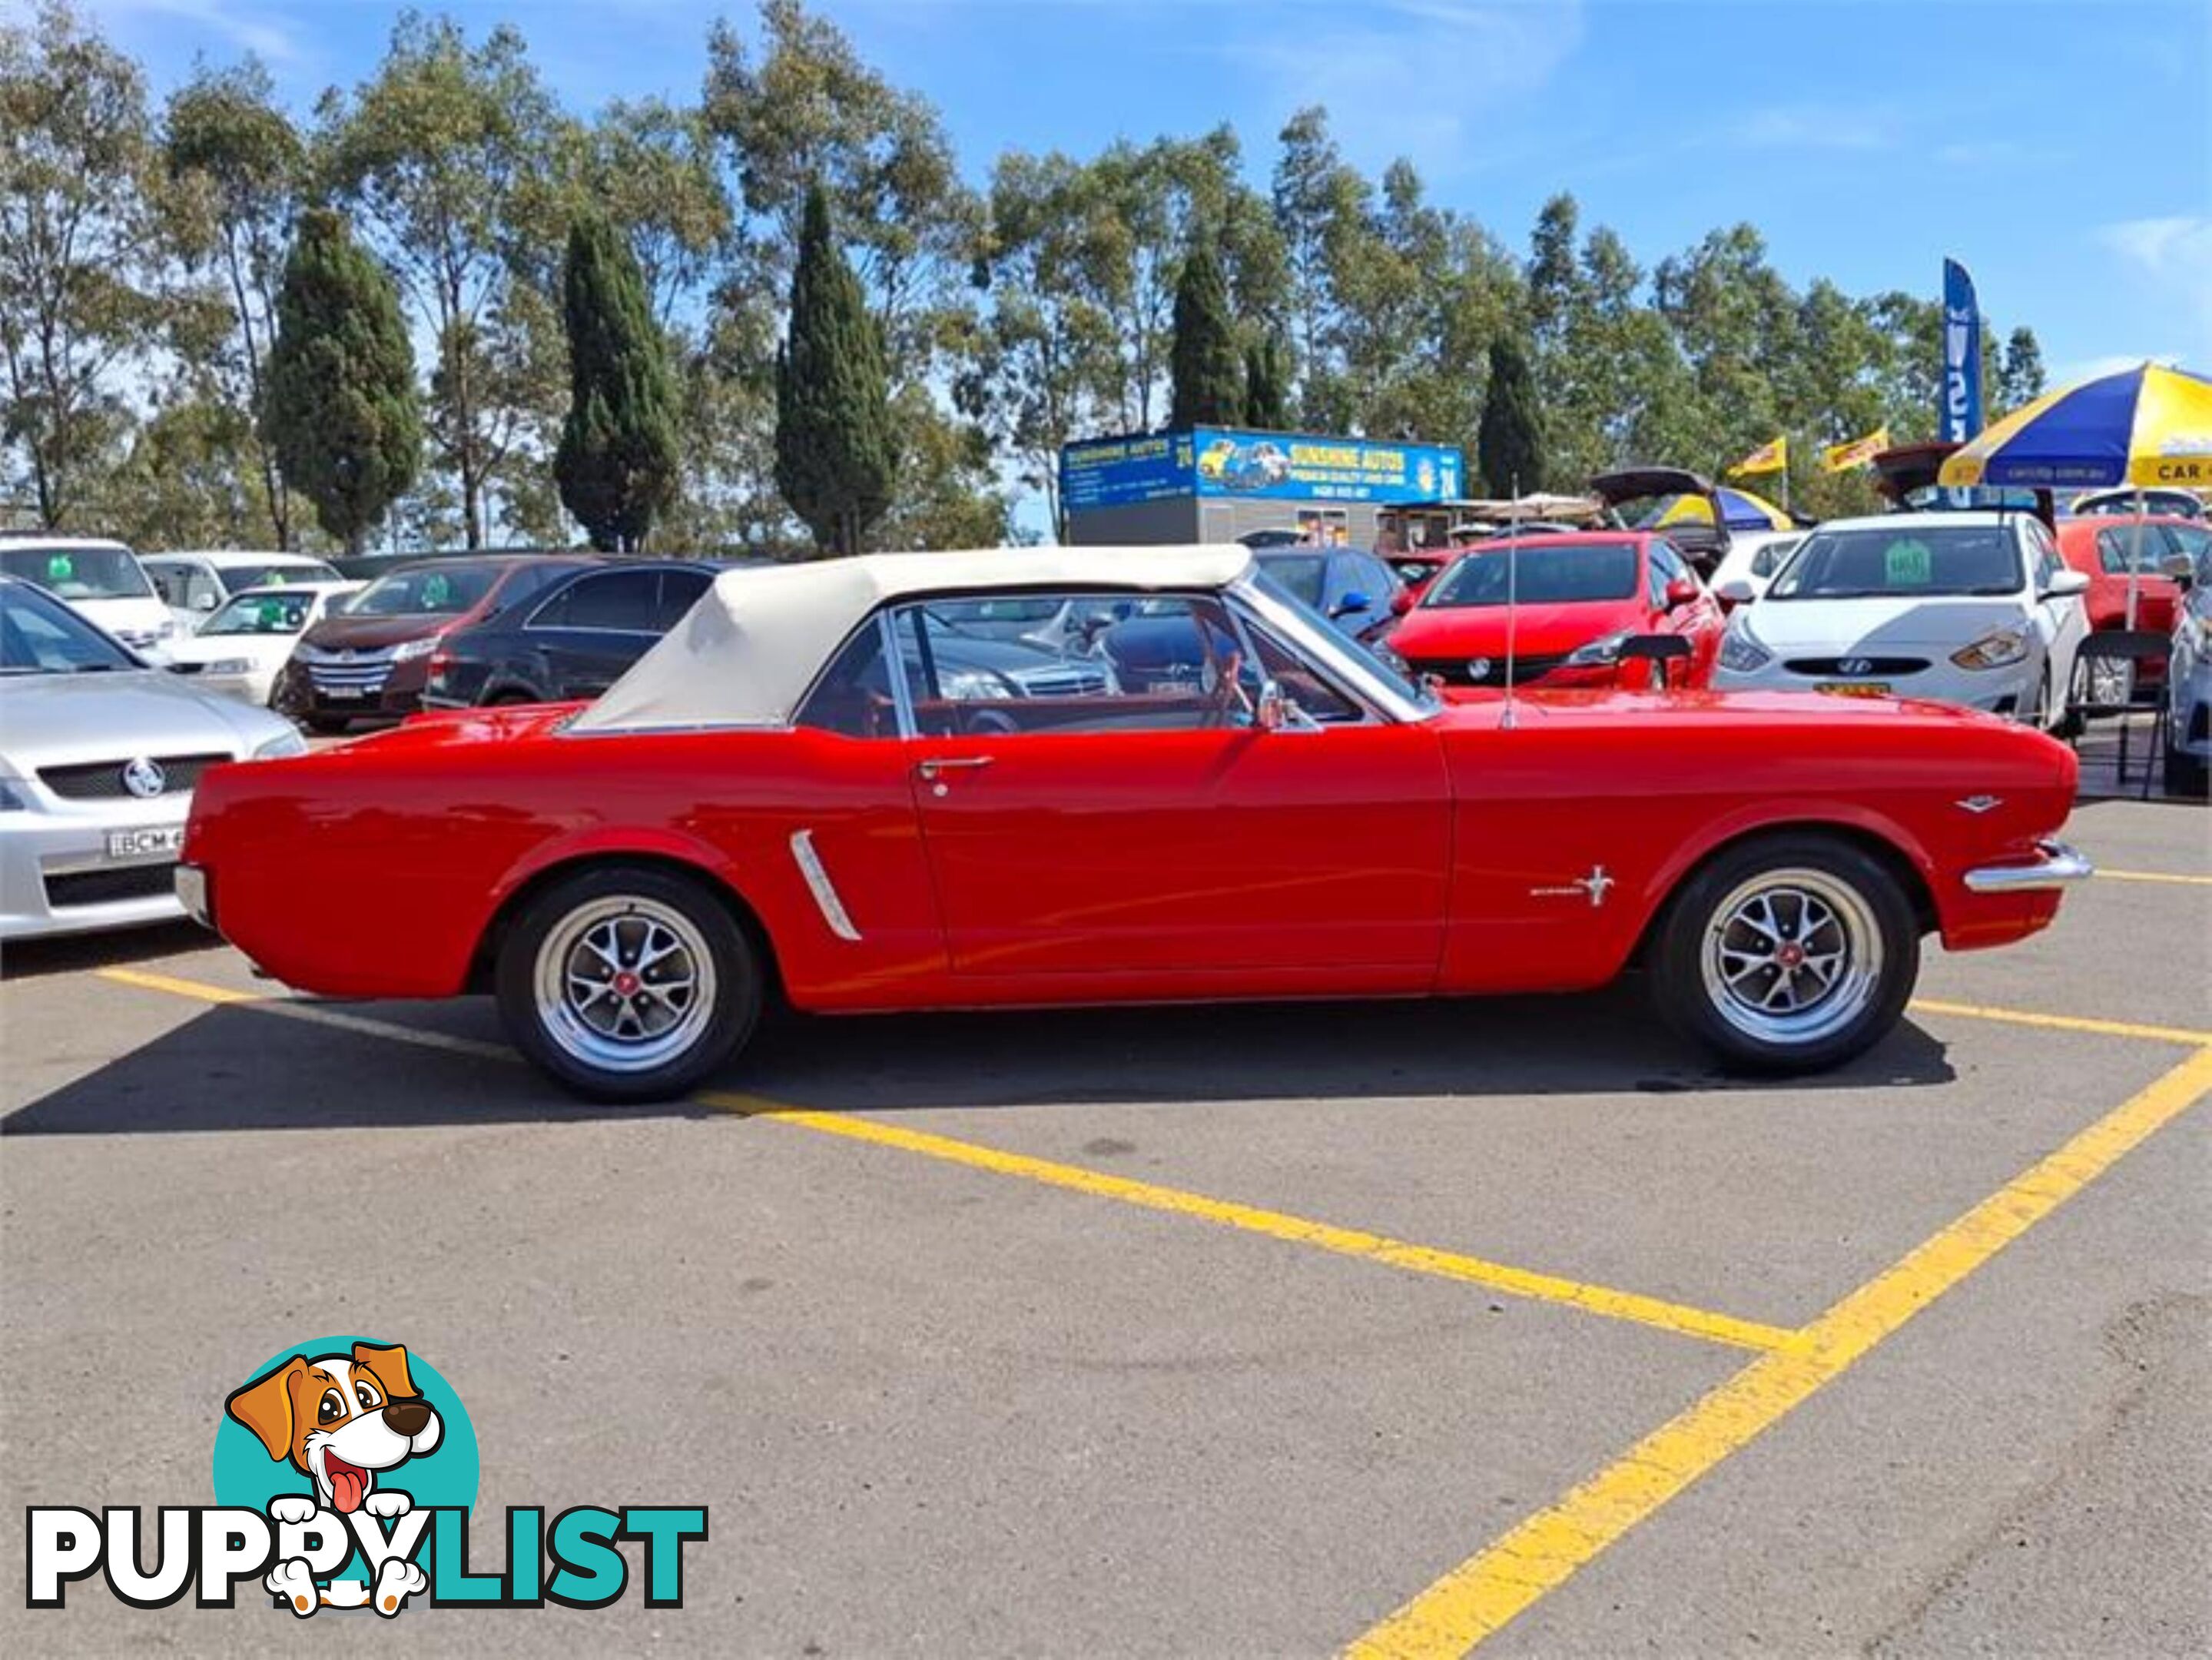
619, 450
341, 414
1205, 370
1510, 445
835, 451
1266, 383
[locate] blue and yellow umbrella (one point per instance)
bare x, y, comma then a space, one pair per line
2142, 426
1742, 508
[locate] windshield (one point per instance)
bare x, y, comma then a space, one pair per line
40, 636
85, 572
1548, 575
1001, 613
1911, 561
1319, 639
262, 613
425, 590
1300, 575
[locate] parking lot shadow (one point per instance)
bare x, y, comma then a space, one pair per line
30, 959
238, 1068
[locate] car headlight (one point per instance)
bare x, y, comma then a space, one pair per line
1997, 650
407, 650
969, 686
230, 665
286, 742
1742, 653
1599, 653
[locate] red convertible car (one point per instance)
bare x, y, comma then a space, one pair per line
803, 794
1576, 600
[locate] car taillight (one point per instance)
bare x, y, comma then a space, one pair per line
440, 660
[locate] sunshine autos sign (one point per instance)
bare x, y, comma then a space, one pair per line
346, 1471
1216, 461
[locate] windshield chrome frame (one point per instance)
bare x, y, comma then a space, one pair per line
1322, 648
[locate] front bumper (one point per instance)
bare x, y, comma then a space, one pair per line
56, 876
2058, 867
2007, 691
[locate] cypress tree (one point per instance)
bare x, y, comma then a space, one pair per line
1205, 365
1510, 445
835, 450
1266, 403
617, 461
340, 412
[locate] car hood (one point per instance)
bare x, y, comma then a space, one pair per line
1538, 631
371, 633
1832, 627
54, 719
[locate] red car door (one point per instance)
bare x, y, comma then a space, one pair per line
1697, 619
1154, 828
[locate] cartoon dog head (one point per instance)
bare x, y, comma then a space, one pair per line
340, 1418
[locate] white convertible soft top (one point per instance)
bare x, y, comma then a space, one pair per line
747, 652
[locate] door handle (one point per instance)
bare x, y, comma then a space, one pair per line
932, 771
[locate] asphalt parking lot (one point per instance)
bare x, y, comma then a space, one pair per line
1268, 1330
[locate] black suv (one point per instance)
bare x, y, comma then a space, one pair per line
575, 642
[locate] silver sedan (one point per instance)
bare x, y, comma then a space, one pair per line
98, 757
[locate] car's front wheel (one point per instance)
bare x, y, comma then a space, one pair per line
1787, 954
629, 982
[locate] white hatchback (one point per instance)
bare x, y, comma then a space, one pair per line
1970, 608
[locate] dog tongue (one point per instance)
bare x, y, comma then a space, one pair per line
346, 1485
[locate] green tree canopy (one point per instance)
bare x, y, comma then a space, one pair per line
835, 451
1510, 446
341, 413
618, 459
1206, 372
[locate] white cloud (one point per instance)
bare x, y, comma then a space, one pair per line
1818, 127
1401, 77
248, 29
2171, 256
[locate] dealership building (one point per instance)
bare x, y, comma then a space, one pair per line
1217, 484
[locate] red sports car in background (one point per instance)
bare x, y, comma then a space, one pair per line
801, 796
1577, 598
2106, 548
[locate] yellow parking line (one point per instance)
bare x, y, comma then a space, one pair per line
1345, 1242
2063, 1022
1491, 1589
2156, 876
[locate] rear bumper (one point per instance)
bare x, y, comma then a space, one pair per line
2058, 867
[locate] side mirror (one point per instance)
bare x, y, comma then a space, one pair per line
1681, 592
1272, 712
2181, 569
1736, 591
204, 602
1353, 600
1402, 602
2065, 584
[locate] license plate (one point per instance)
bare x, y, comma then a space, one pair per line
1854, 688
335, 692
161, 842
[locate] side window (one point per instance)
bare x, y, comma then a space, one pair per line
167, 579
1170, 664
622, 600
554, 613
854, 697
679, 591
1314, 696
2041, 554
1769, 559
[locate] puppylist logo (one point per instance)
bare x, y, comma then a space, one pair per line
346, 1471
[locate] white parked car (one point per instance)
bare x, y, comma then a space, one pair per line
195, 585
1972, 608
2189, 686
101, 581
99, 757
239, 650
2122, 503
1752, 558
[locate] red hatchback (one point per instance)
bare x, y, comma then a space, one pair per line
1578, 598
2107, 549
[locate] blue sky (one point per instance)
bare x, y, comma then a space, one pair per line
2062, 150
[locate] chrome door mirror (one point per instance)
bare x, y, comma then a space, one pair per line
1277, 711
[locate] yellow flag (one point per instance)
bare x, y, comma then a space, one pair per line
1767, 458
1844, 458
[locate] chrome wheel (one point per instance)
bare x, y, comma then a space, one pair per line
1792, 956
624, 983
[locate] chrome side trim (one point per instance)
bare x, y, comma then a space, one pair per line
818, 884
2060, 866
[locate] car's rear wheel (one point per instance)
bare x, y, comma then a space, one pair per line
629, 982
1789, 953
